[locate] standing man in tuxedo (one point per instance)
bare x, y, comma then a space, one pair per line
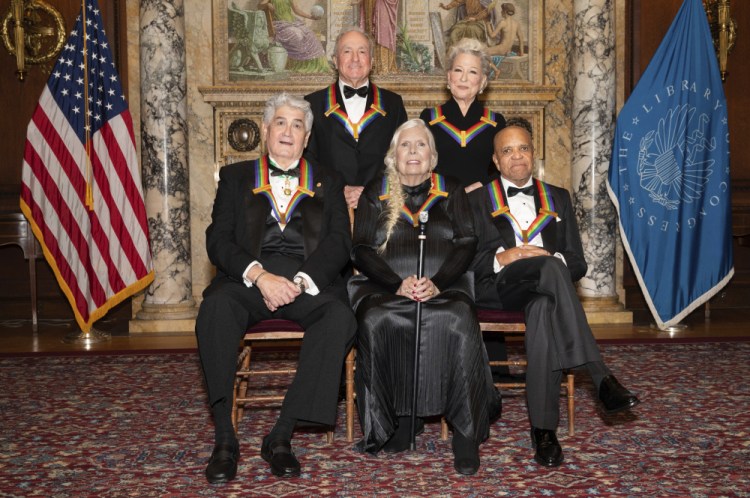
354, 118
528, 256
279, 237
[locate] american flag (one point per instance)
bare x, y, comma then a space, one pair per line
81, 183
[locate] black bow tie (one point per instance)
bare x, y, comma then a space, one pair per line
275, 171
349, 92
526, 190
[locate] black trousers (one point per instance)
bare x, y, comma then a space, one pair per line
229, 308
558, 336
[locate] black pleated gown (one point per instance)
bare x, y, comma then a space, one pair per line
454, 376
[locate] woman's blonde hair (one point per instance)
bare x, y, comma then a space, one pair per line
469, 46
397, 197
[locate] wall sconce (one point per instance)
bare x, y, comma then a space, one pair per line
38, 33
723, 30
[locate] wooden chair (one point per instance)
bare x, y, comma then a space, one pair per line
273, 330
282, 330
512, 323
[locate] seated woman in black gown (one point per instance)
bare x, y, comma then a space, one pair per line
454, 377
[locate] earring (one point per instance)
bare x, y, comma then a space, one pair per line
448, 86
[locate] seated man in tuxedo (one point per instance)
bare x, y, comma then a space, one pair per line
279, 237
528, 256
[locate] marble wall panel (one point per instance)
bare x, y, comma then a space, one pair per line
558, 41
199, 40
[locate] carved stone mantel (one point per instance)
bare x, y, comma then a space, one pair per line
232, 103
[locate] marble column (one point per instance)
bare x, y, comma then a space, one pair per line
593, 78
165, 162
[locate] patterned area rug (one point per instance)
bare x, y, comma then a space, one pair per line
137, 425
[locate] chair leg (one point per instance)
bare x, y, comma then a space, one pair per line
571, 387
443, 429
349, 369
240, 386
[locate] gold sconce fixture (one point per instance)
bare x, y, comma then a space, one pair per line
33, 31
723, 30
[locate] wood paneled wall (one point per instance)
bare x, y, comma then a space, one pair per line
650, 22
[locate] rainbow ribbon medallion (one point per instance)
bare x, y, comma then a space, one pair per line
436, 193
354, 129
463, 137
263, 187
500, 208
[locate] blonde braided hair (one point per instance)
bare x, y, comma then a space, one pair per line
397, 196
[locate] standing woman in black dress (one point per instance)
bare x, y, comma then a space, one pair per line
454, 377
462, 126
464, 131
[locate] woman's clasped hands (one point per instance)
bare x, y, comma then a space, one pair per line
418, 289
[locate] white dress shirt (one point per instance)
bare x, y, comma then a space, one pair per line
355, 105
524, 210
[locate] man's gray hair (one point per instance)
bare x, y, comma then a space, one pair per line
284, 99
349, 29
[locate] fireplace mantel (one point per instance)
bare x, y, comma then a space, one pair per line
241, 107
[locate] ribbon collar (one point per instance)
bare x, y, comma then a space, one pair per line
462, 137
333, 108
500, 208
436, 193
263, 187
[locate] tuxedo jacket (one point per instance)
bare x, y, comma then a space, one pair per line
238, 223
358, 161
561, 235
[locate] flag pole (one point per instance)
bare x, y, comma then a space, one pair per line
93, 336
672, 329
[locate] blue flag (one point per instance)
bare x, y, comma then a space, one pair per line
669, 174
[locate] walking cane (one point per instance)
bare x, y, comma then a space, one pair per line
423, 216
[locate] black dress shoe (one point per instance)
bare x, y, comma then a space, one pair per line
279, 454
465, 455
401, 439
222, 467
548, 450
614, 396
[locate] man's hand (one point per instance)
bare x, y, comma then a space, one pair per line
418, 289
351, 194
277, 291
520, 252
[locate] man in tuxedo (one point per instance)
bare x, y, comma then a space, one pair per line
354, 118
528, 256
279, 237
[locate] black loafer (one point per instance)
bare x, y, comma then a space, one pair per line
222, 466
548, 450
278, 454
614, 397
